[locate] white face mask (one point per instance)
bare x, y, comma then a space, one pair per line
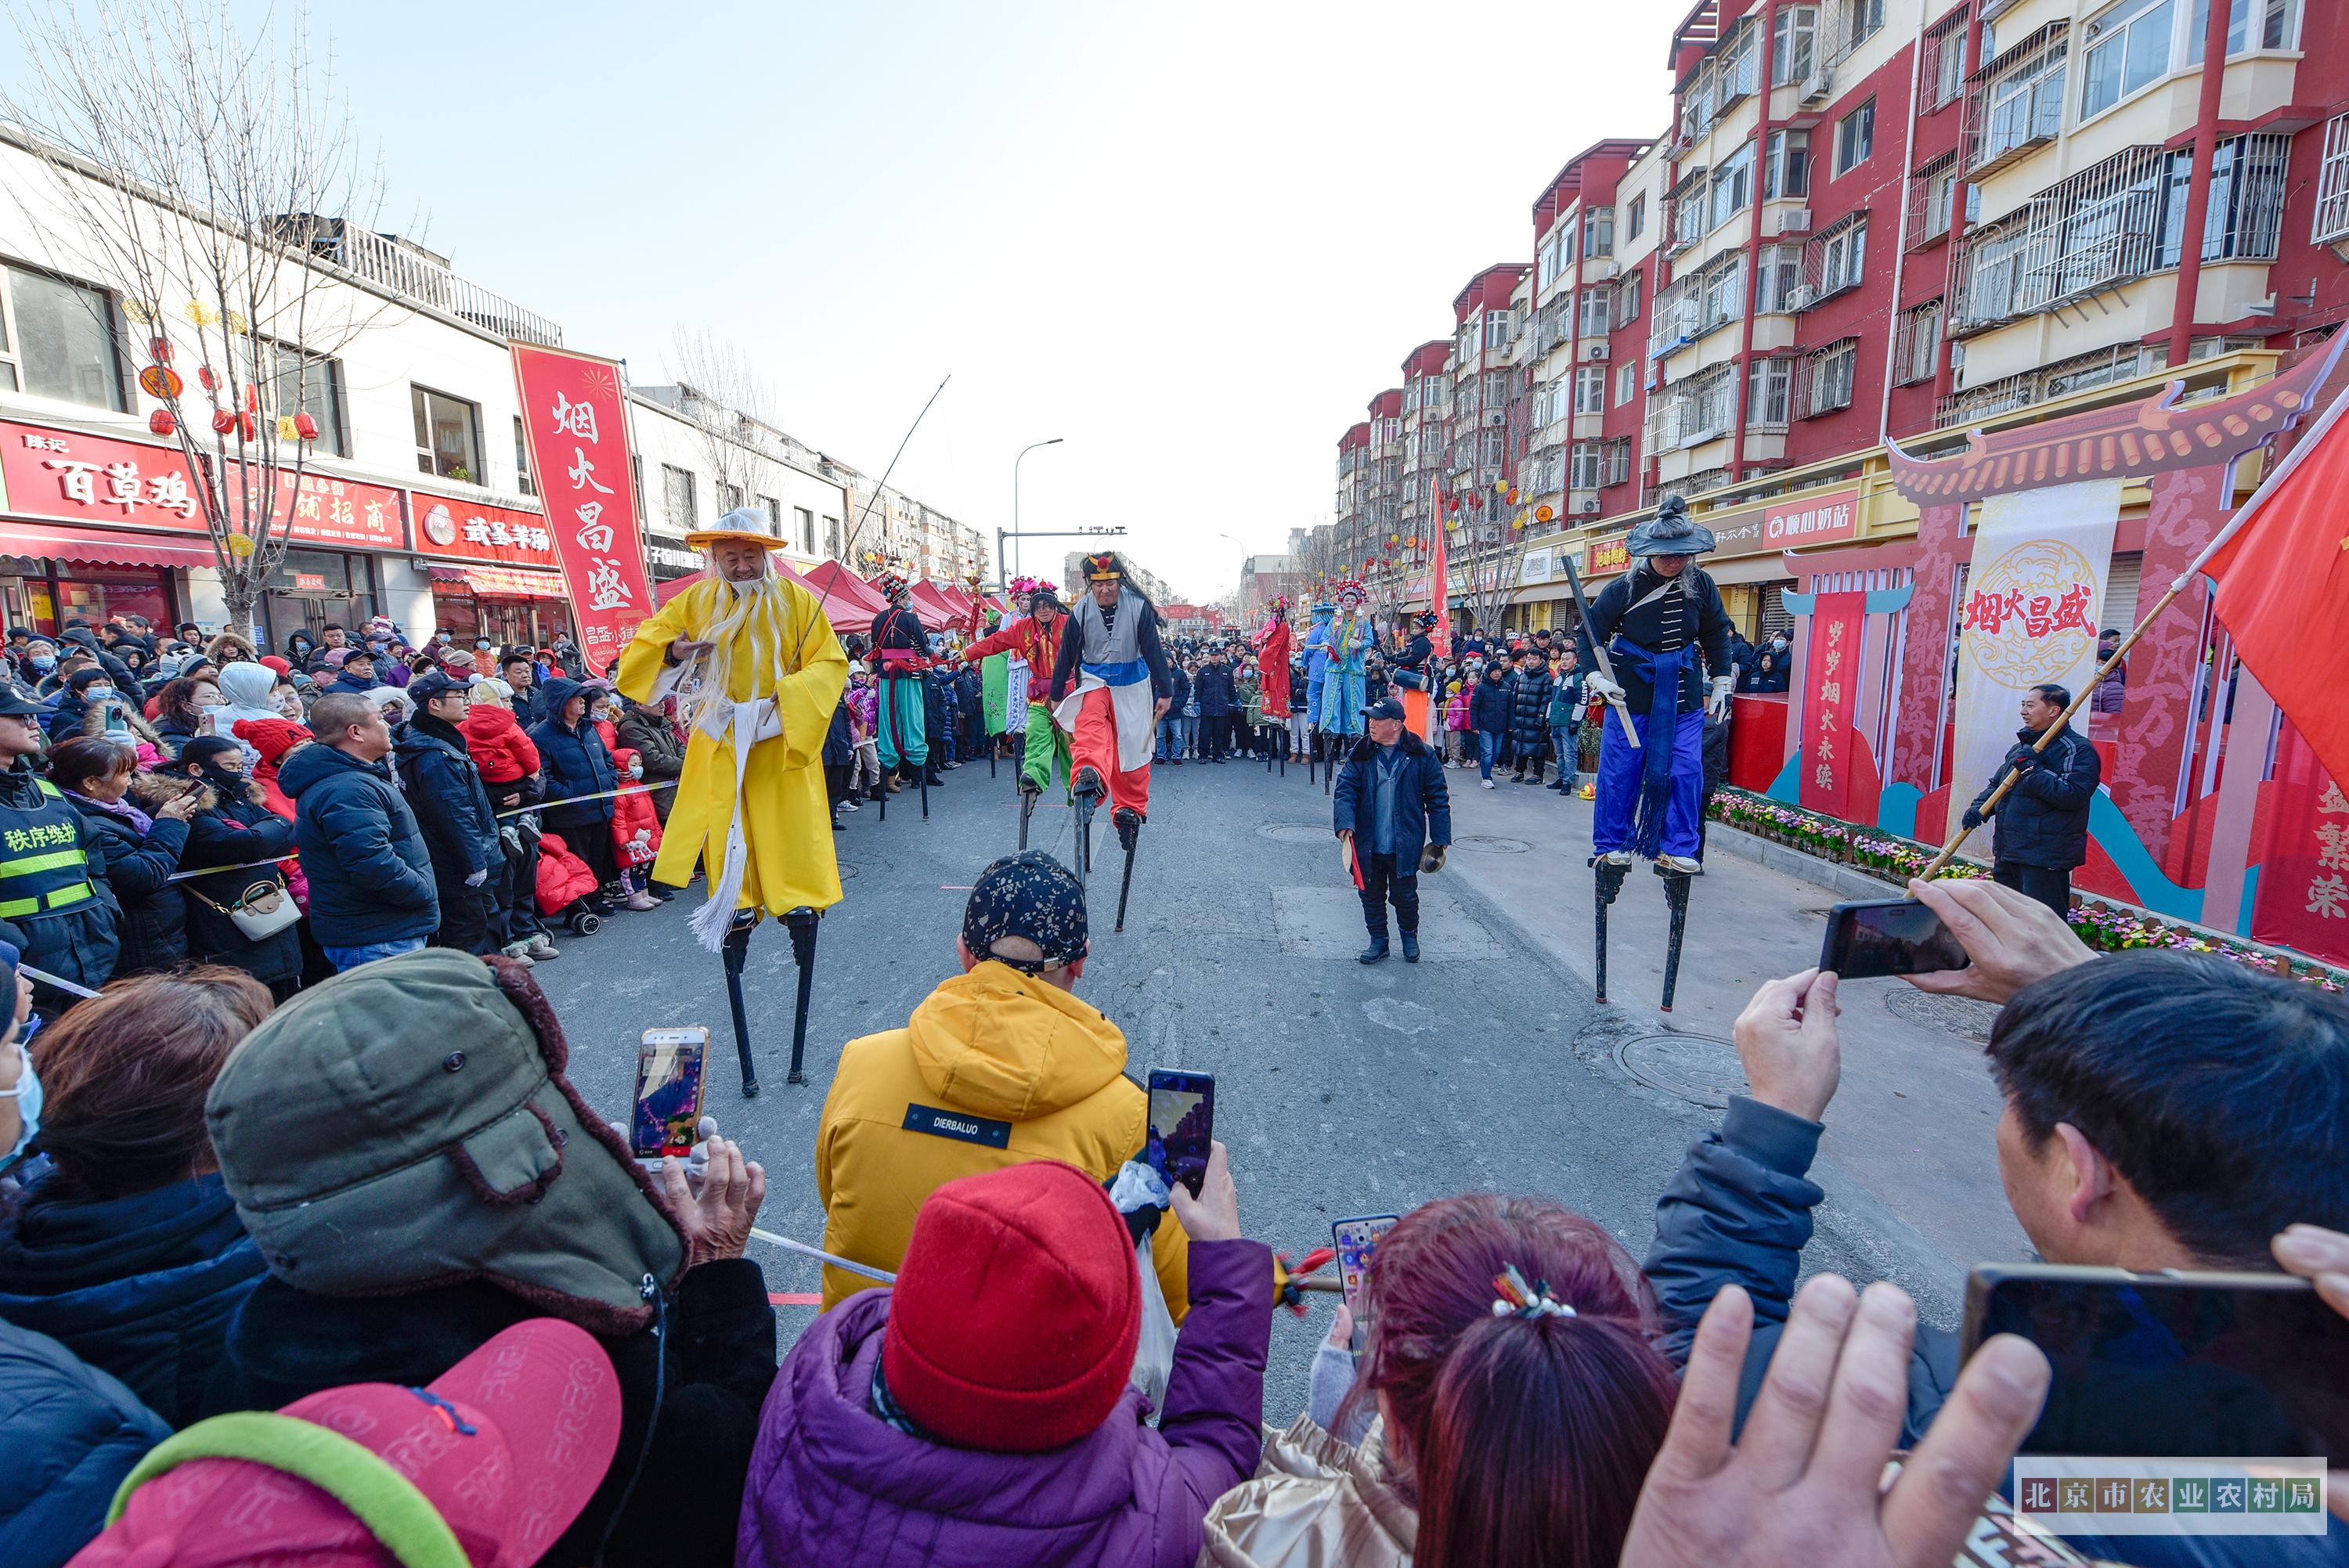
635, 769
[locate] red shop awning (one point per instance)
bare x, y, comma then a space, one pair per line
503, 582
101, 547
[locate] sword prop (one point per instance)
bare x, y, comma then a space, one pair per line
1598, 649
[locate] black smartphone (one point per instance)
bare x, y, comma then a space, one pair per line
1888, 936
1182, 1125
2175, 1365
1356, 1240
667, 1115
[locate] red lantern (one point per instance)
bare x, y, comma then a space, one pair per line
306, 426
224, 422
162, 422
160, 350
252, 423
206, 380
252, 398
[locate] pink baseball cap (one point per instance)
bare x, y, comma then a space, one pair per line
503, 1450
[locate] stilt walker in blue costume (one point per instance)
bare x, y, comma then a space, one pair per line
1643, 638
1315, 650
1350, 639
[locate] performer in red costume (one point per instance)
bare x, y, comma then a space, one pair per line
1110, 687
1272, 660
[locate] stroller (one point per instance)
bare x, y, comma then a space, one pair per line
565, 883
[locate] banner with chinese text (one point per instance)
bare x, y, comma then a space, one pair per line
1831, 688
452, 528
577, 426
2034, 597
2303, 895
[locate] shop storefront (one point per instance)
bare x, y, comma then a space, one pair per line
313, 588
42, 593
495, 570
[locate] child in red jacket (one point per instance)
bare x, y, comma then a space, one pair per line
635, 831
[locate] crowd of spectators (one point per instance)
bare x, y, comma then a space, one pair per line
170, 797
221, 1202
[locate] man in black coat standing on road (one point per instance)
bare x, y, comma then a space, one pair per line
1394, 816
2042, 823
451, 804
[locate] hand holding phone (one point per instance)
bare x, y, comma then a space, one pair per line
1787, 1042
669, 1066
1182, 1126
1356, 1240
1877, 936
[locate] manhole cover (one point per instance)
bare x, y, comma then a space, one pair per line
1695, 1068
1486, 844
848, 871
1295, 832
1959, 1016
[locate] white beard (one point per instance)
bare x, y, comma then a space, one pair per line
760, 607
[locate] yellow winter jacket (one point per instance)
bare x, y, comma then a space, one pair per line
994, 1067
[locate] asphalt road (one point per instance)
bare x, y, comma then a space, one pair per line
1341, 1089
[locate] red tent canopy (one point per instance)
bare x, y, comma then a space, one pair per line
848, 593
845, 614
936, 609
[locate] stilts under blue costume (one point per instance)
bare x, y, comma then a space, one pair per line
1643, 638
1316, 649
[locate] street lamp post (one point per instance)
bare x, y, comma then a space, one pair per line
1031, 445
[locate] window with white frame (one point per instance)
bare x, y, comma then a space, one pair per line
1546, 263
1619, 461
1692, 213
730, 498
57, 339
1712, 405
302, 383
1587, 466
2333, 184
1496, 329
2122, 49
1635, 217
2245, 217
1595, 303
1861, 20
1725, 292
1590, 389
1492, 448
2260, 25
1855, 137
1786, 171
1840, 256
678, 503
1678, 306
803, 518
521, 458
448, 435
1627, 299
1598, 231
1467, 341
1733, 186
1944, 71
1776, 270
1769, 393
1933, 195
1827, 377
1794, 44
1916, 353
1626, 382
1736, 68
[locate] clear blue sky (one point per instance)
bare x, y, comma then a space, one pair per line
1193, 240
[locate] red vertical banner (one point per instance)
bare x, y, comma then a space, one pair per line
577, 425
2303, 895
1439, 579
1831, 689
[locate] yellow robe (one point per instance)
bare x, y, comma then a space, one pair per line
791, 863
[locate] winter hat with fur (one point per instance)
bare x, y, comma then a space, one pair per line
407, 1124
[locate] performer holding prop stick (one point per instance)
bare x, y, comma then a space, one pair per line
757, 672
1110, 688
1644, 635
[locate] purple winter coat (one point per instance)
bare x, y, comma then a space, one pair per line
832, 1482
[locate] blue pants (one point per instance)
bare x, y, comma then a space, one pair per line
1170, 737
1562, 742
1313, 689
1620, 766
343, 958
1488, 746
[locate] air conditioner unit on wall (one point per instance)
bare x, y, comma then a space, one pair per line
1793, 220
1802, 296
1596, 353
1496, 417
1587, 508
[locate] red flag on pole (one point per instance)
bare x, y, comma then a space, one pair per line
2283, 586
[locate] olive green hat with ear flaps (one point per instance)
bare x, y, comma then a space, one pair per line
408, 1125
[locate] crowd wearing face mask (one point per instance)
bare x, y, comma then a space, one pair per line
171, 797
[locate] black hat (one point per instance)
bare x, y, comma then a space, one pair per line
1385, 707
1030, 895
436, 683
15, 703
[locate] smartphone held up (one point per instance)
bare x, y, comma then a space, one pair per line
1182, 1126
1882, 936
667, 1107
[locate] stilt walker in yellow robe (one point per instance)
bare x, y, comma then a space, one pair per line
757, 672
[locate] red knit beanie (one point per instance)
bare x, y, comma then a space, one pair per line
1016, 1313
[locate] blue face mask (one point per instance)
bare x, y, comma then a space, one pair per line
97, 693
45, 662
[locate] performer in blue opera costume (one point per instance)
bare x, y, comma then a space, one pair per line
1316, 649
1349, 645
1655, 621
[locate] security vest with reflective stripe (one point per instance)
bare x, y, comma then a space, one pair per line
44, 869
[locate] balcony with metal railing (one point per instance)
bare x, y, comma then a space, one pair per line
2015, 102
404, 270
